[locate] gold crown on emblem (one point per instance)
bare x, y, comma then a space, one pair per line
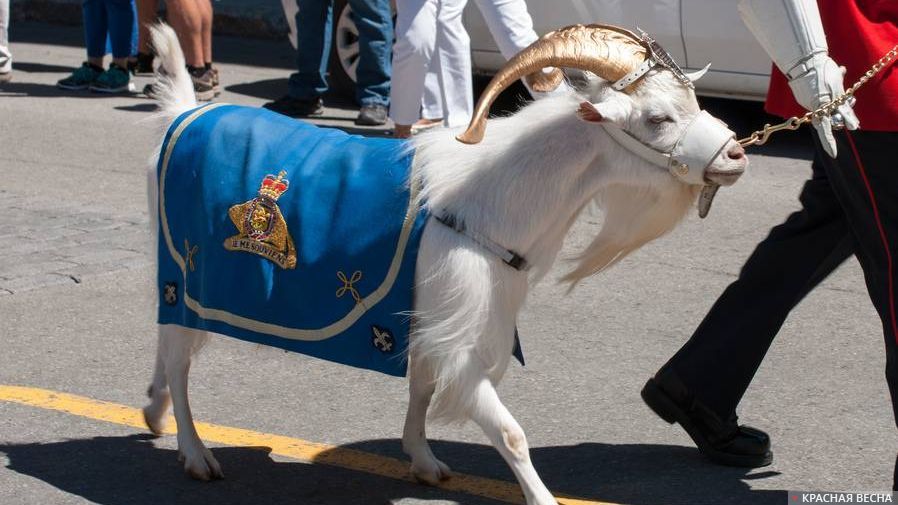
273, 187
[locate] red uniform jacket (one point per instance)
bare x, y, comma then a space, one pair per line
858, 33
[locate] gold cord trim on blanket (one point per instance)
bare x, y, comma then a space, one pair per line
262, 327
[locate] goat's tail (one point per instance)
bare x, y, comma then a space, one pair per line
173, 87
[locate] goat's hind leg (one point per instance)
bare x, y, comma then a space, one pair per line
425, 466
177, 346
507, 436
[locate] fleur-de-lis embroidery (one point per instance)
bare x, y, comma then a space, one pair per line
382, 340
348, 285
191, 252
170, 293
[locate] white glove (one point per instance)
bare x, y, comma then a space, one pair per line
821, 83
791, 32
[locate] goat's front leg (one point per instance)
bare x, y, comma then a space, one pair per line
179, 344
425, 466
507, 436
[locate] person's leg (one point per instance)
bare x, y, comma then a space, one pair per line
205, 9
374, 22
866, 183
146, 16
431, 103
121, 14
5, 54
121, 17
187, 21
135, 32
95, 29
416, 22
94, 14
719, 361
512, 28
701, 385
509, 23
313, 28
453, 48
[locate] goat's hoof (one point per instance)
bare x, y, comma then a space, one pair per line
155, 423
431, 471
201, 466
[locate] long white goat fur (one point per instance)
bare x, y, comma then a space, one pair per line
523, 187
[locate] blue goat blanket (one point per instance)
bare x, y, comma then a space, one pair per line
275, 231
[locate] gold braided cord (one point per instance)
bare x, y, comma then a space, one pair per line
793, 123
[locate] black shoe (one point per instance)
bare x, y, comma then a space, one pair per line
723, 442
143, 65
296, 107
372, 115
149, 91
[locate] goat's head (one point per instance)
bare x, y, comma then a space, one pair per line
644, 101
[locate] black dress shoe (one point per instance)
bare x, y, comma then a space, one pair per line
372, 115
296, 107
723, 442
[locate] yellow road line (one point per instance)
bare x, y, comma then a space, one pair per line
283, 446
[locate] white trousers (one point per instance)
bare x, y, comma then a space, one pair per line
5, 55
511, 27
430, 37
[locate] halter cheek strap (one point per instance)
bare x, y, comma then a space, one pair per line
701, 142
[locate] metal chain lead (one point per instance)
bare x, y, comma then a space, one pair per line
793, 123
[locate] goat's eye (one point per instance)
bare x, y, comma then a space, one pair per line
660, 119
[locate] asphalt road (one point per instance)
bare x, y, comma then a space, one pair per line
76, 316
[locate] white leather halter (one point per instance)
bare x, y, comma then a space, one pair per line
700, 143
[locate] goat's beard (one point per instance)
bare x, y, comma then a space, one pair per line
633, 216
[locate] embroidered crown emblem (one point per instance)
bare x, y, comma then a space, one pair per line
263, 230
273, 187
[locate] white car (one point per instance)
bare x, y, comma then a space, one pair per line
694, 32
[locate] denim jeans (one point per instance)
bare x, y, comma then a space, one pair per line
314, 27
118, 19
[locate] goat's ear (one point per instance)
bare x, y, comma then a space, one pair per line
611, 110
589, 112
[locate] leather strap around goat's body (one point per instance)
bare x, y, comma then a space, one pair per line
509, 257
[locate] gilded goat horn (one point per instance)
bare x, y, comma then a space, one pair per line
607, 51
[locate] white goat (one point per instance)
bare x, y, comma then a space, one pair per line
523, 187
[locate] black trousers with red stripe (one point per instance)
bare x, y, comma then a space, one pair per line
850, 206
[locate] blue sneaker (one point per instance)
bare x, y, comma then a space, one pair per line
81, 78
114, 80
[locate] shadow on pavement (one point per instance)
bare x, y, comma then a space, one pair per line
33, 68
33, 89
130, 469
227, 49
148, 106
268, 89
